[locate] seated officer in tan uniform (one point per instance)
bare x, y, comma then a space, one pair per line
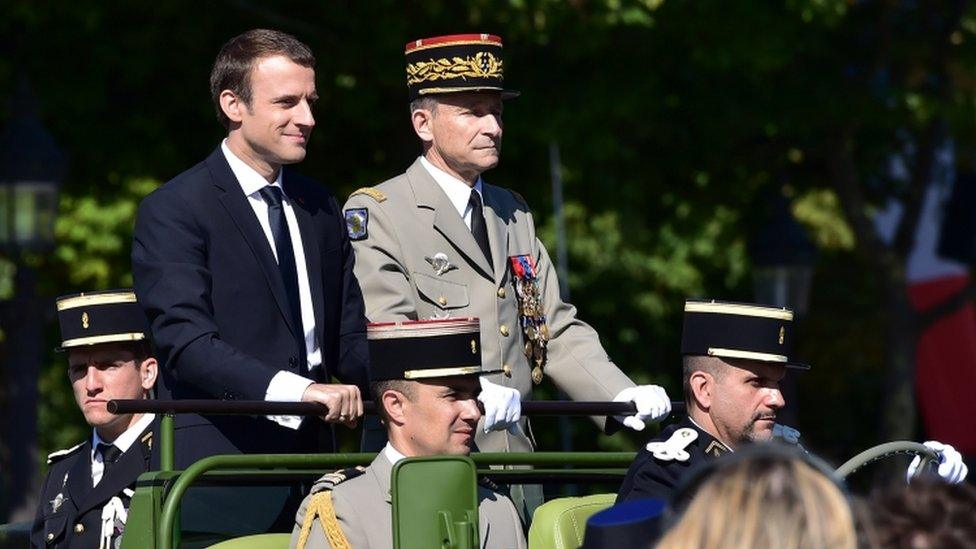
424, 377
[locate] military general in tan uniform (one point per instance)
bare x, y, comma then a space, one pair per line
438, 241
424, 379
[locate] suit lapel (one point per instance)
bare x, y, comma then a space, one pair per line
497, 231
130, 465
79, 477
446, 219
241, 212
310, 244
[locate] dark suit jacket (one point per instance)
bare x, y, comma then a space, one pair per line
81, 504
206, 276
650, 477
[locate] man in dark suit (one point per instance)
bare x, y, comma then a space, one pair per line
85, 497
244, 268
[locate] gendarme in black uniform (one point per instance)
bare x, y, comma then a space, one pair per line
70, 511
717, 329
85, 498
677, 450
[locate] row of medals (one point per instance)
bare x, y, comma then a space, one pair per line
534, 326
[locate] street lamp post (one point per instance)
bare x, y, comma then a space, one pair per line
782, 257
31, 169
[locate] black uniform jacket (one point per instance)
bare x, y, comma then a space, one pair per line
206, 275
75, 518
651, 477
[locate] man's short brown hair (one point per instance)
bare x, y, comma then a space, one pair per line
399, 385
232, 68
695, 363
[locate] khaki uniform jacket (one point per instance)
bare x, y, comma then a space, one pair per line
364, 511
410, 219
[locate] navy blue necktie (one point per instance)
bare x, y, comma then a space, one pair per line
273, 197
110, 454
478, 227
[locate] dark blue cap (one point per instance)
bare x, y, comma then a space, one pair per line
634, 523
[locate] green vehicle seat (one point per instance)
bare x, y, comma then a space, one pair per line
258, 541
561, 523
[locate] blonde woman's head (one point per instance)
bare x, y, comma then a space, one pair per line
771, 497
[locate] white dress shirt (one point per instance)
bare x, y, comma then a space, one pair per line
457, 191
285, 386
123, 443
392, 453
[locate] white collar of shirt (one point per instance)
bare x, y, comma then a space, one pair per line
250, 180
126, 439
392, 453
457, 191
123, 443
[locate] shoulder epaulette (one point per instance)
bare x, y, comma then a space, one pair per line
320, 507
61, 454
673, 449
331, 480
371, 192
485, 482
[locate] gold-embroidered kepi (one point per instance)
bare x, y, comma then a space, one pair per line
456, 63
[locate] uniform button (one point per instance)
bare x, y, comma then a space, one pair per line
79, 528
292, 360
50, 537
442, 300
501, 293
507, 370
503, 329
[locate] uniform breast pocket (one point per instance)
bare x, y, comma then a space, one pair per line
441, 293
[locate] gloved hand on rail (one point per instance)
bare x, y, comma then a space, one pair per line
951, 467
652, 402
503, 406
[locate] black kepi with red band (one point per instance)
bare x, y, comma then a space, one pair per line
456, 63
739, 330
423, 349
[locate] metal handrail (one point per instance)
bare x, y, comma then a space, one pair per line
882, 451
167, 409
268, 408
165, 538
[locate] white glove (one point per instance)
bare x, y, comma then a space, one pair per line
786, 433
503, 406
652, 404
951, 468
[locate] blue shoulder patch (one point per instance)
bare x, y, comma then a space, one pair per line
357, 221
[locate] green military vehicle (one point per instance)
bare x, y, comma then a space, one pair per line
173, 508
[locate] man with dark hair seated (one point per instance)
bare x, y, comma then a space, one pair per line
85, 497
734, 357
424, 377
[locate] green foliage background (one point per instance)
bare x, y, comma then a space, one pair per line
676, 121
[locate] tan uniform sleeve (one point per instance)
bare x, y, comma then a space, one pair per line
577, 362
382, 276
